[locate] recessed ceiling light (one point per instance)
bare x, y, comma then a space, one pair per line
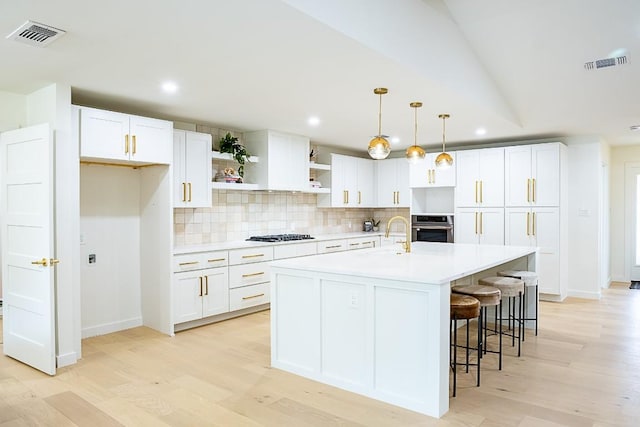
169, 87
634, 127
481, 131
395, 140
313, 121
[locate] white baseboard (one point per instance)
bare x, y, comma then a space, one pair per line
584, 294
67, 359
107, 328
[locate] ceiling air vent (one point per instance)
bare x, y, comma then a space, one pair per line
605, 63
36, 34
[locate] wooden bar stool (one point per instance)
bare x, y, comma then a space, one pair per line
530, 280
488, 297
462, 307
510, 289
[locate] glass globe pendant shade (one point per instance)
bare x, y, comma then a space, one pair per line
414, 154
379, 148
444, 160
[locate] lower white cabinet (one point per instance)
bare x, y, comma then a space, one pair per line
248, 274
249, 296
363, 242
479, 226
332, 246
200, 293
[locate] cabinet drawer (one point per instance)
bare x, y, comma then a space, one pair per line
294, 250
363, 242
249, 274
249, 255
332, 246
249, 296
215, 259
200, 260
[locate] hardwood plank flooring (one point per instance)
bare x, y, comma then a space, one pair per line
581, 370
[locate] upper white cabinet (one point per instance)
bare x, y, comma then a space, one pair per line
392, 178
191, 169
532, 175
480, 177
123, 138
425, 174
352, 183
284, 160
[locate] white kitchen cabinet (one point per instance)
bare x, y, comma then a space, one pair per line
284, 160
191, 169
352, 183
107, 136
295, 250
480, 178
200, 293
249, 296
392, 178
479, 226
424, 174
248, 274
363, 242
532, 175
328, 246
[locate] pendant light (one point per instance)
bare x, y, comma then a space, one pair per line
415, 153
444, 159
379, 147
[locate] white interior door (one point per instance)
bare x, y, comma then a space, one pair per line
632, 222
26, 175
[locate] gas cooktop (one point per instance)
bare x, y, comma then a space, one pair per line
280, 237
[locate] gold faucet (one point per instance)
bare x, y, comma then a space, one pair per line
407, 242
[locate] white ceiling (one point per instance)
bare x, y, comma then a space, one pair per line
514, 67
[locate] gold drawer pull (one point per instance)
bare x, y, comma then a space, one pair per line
252, 256
189, 263
333, 246
354, 244
253, 296
216, 260
253, 274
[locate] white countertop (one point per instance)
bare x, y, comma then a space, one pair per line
433, 263
240, 244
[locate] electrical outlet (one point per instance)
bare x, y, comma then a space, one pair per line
91, 259
353, 301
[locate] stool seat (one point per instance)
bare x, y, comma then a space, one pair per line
529, 278
509, 286
464, 307
487, 295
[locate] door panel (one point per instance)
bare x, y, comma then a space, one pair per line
517, 176
545, 160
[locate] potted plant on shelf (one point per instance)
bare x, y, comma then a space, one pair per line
230, 144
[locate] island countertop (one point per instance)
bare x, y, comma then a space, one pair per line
428, 262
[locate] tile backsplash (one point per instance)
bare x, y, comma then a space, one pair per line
236, 215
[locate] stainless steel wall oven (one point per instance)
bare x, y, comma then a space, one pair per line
432, 228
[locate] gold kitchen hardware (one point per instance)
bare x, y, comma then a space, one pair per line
200, 279
354, 244
134, 144
216, 260
43, 262
476, 222
189, 185
126, 144
379, 148
533, 190
182, 264
415, 153
184, 192
253, 274
53, 261
444, 159
407, 243
528, 189
476, 193
252, 256
528, 224
481, 231
253, 296
333, 246
359, 197
533, 223
481, 191
206, 285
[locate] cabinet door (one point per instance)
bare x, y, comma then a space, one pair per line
338, 187
491, 226
386, 180
197, 169
402, 183
103, 134
179, 169
366, 176
187, 299
297, 172
518, 226
467, 177
546, 233
443, 177
517, 176
420, 172
545, 165
491, 175
215, 296
466, 226
150, 140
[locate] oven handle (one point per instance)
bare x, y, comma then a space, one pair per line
432, 227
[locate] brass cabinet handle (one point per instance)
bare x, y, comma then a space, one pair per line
206, 285
528, 190
533, 190
189, 263
333, 246
481, 231
253, 274
359, 197
344, 197
347, 192
184, 192
533, 223
252, 256
126, 144
476, 193
481, 194
216, 260
476, 222
528, 224
253, 296
43, 262
354, 244
200, 278
134, 144
189, 185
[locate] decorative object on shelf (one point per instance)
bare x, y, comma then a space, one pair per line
313, 154
228, 175
230, 144
444, 159
379, 147
415, 153
376, 224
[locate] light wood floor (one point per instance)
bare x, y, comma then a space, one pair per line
583, 369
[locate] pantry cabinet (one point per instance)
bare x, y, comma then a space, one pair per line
112, 137
480, 178
479, 226
532, 175
392, 178
191, 169
424, 174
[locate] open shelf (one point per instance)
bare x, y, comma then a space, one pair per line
233, 186
216, 155
319, 166
321, 190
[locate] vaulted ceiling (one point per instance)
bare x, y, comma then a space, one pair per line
515, 68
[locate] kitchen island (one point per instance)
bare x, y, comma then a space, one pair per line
376, 321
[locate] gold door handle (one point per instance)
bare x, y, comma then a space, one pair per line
476, 200
528, 226
359, 197
528, 190
253, 296
126, 144
533, 224
476, 223
206, 285
43, 262
189, 185
481, 231
134, 144
184, 192
253, 274
200, 278
481, 196
53, 261
344, 196
533, 191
